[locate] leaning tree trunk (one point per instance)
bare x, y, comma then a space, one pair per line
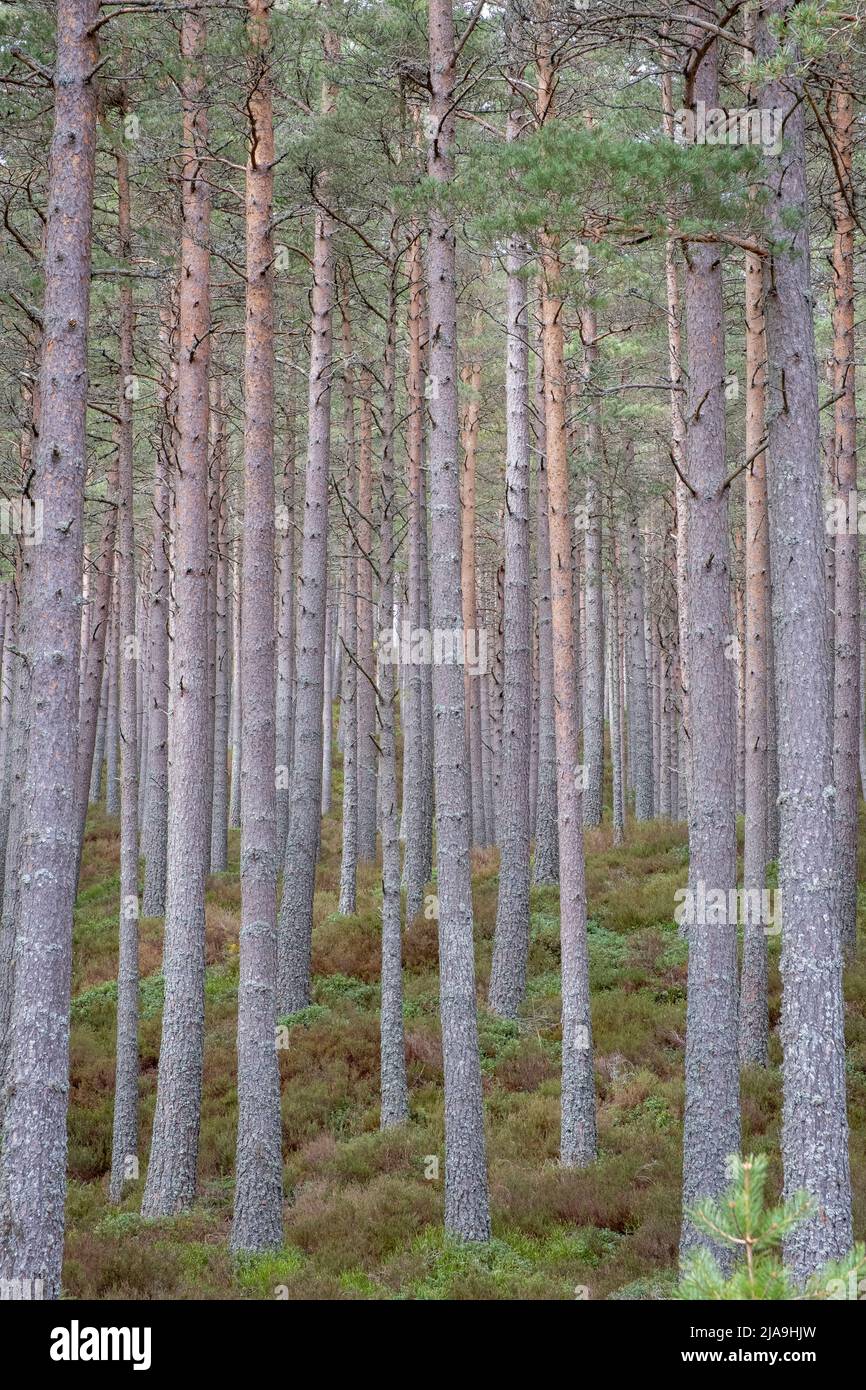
812, 1028
33, 1151
467, 1212
258, 1208
171, 1174
712, 1105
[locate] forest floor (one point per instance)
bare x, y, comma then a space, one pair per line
363, 1212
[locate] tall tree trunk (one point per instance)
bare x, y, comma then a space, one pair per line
235, 723
219, 820
327, 715
258, 1214
593, 700
471, 378
712, 1106
366, 664
467, 1212
155, 835
394, 1085
511, 940
846, 724
349, 690
286, 635
615, 666
295, 934
93, 681
814, 1120
124, 1141
640, 708
678, 453
33, 1151
754, 1023
112, 711
578, 1135
171, 1174
545, 868
412, 709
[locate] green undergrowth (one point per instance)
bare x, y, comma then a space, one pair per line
363, 1211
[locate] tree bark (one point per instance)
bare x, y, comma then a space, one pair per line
754, 1022
511, 940
171, 1175
295, 934
349, 689
814, 1120
366, 665
155, 836
467, 1213
578, 1134
846, 719
712, 1107
124, 1142
394, 1086
258, 1214
33, 1157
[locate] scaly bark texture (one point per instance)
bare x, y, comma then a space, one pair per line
258, 1214
639, 706
171, 1173
366, 697
415, 867
469, 428
36, 1080
848, 695
286, 635
394, 1086
124, 1141
219, 819
349, 691
754, 1021
467, 1210
545, 867
295, 935
711, 1129
593, 686
155, 829
578, 1133
511, 940
812, 1027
